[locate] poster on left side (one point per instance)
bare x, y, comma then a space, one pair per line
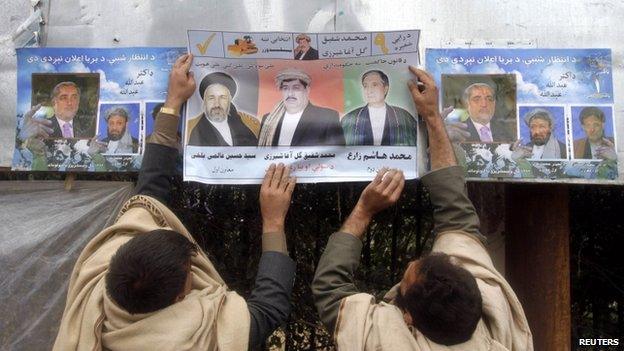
88, 109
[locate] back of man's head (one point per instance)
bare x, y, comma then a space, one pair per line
149, 272
444, 303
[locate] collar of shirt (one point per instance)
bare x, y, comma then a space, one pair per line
479, 125
224, 129
538, 151
378, 122
289, 124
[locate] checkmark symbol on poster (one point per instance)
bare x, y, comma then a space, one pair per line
202, 47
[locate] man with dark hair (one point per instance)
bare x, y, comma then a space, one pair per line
596, 145
118, 138
220, 123
142, 283
378, 123
452, 297
64, 123
295, 121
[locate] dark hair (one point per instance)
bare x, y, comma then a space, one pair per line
383, 76
148, 272
57, 88
591, 111
305, 85
445, 303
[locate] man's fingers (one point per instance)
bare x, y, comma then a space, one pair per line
607, 142
379, 177
277, 176
446, 111
394, 183
285, 177
413, 87
180, 60
422, 76
458, 125
268, 176
186, 64
387, 178
292, 181
398, 190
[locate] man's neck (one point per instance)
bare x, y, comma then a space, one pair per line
487, 124
71, 120
377, 104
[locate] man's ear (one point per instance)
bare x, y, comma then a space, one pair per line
407, 318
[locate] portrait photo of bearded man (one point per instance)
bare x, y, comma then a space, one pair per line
295, 121
118, 138
220, 123
543, 144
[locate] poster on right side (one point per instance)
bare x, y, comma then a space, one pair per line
529, 113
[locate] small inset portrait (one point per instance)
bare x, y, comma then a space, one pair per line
119, 127
304, 49
542, 133
592, 129
68, 104
484, 107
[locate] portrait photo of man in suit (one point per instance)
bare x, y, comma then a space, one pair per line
596, 144
64, 106
485, 108
304, 51
295, 121
480, 101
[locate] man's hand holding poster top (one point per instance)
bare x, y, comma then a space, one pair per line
332, 107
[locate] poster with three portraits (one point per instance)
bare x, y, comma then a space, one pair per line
332, 106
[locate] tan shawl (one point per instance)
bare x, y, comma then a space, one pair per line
209, 318
365, 325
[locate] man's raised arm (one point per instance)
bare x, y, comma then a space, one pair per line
269, 303
334, 277
158, 165
452, 210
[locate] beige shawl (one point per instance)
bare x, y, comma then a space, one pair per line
365, 325
209, 318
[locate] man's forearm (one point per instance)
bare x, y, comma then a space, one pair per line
440, 148
269, 303
159, 160
334, 277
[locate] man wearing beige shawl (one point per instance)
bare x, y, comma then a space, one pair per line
451, 299
142, 284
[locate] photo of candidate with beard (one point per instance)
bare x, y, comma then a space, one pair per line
118, 138
220, 123
544, 144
